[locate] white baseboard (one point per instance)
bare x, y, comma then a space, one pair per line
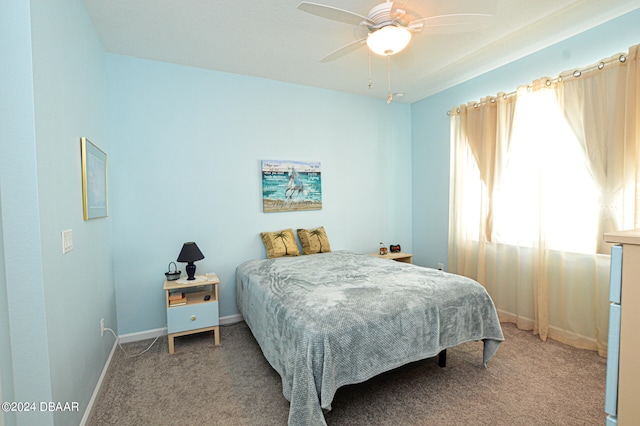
555, 333
504, 316
96, 391
231, 319
142, 335
152, 334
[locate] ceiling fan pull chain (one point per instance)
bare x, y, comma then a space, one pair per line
390, 96
369, 58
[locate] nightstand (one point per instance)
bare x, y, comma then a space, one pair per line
196, 311
398, 257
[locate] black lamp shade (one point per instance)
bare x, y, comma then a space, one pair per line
190, 253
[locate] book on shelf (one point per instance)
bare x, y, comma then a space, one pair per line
178, 302
176, 295
177, 298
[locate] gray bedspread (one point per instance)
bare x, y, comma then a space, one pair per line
332, 319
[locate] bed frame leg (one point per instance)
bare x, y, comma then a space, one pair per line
442, 358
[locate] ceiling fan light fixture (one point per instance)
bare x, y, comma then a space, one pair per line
389, 40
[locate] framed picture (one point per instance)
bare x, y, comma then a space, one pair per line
291, 185
95, 192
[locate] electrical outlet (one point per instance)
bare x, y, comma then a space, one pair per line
441, 266
102, 327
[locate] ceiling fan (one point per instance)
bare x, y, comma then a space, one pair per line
390, 25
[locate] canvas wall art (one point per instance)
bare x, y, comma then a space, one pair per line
289, 185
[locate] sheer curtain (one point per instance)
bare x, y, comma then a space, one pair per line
537, 176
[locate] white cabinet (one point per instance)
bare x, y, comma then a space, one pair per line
623, 370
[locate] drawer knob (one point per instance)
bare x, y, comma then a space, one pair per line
193, 317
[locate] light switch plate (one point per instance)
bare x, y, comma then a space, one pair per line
67, 241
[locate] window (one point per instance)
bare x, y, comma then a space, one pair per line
545, 191
536, 180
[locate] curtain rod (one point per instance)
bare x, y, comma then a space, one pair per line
622, 58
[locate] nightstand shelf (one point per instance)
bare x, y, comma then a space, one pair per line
198, 313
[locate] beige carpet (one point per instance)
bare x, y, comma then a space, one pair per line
528, 382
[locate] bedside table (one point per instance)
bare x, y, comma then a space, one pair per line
196, 312
398, 257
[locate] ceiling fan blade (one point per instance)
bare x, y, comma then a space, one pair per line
333, 13
451, 23
354, 45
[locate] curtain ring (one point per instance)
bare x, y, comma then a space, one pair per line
601, 65
577, 73
449, 113
622, 58
548, 82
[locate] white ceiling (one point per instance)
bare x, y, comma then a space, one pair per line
274, 40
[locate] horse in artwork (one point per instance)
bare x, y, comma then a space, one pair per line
295, 186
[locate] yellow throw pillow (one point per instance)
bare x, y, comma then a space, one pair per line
314, 240
280, 243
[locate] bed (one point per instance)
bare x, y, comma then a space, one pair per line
331, 319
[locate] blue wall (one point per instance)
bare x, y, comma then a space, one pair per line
69, 73
185, 152
25, 371
53, 92
430, 123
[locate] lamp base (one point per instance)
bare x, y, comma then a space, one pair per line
191, 271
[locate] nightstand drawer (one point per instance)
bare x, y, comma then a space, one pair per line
192, 317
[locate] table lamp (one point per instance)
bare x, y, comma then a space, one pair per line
190, 253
